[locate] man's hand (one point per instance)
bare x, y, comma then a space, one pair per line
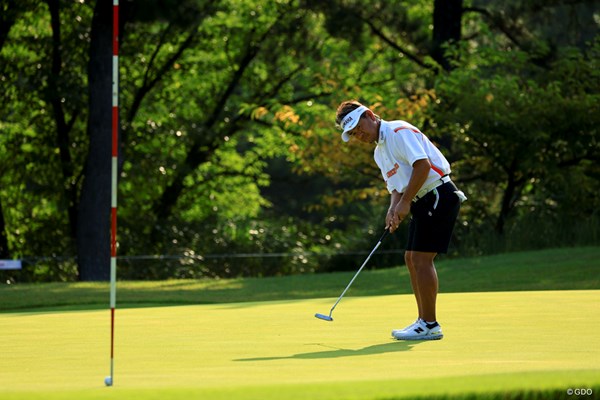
394, 200
418, 177
388, 218
398, 215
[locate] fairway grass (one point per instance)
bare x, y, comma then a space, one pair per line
494, 342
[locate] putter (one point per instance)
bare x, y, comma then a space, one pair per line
328, 317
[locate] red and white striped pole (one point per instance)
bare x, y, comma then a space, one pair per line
114, 170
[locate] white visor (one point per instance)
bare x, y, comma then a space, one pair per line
350, 121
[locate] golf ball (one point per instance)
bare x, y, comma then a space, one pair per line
108, 381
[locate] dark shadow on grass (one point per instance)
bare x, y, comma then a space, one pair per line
382, 348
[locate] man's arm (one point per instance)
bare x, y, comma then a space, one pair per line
394, 199
417, 179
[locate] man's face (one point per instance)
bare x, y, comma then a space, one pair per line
366, 130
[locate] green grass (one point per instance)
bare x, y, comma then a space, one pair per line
512, 327
495, 342
557, 269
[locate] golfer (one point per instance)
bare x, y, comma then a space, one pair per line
417, 177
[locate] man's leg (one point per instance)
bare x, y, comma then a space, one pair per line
426, 281
413, 280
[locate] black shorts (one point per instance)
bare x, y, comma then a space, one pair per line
433, 219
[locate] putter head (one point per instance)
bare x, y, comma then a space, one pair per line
324, 317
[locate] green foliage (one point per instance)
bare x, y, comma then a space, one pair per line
518, 130
227, 113
33, 183
234, 246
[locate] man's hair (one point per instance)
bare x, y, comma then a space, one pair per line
344, 109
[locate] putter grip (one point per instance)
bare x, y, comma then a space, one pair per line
385, 233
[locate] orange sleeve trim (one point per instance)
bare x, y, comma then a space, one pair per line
436, 169
405, 127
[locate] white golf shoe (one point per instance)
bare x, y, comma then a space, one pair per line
420, 330
410, 327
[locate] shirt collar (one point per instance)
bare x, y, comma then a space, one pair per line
382, 130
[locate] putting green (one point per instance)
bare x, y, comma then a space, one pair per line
501, 341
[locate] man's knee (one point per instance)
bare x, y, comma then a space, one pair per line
421, 260
408, 260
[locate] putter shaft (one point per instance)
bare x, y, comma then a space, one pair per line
355, 275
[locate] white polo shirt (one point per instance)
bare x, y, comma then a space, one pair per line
400, 145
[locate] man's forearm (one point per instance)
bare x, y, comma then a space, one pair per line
417, 179
394, 199
402, 208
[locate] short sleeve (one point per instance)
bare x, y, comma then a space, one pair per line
407, 146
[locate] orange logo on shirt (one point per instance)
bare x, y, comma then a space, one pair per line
393, 171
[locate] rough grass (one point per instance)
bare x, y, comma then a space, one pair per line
557, 269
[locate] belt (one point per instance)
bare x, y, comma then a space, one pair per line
426, 189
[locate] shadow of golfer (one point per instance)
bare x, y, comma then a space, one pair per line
338, 352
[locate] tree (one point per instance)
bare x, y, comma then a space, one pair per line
519, 128
4, 250
514, 177
447, 26
32, 187
10, 12
221, 98
56, 87
93, 229
247, 76
93, 224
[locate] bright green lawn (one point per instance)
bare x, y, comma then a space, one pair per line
503, 341
169, 345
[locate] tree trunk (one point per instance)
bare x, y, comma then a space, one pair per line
93, 224
447, 15
507, 204
4, 253
62, 127
8, 15
163, 207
